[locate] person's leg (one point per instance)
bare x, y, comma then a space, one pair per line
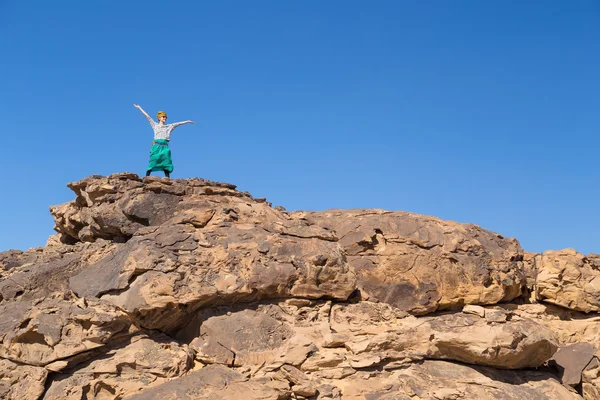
167, 174
148, 172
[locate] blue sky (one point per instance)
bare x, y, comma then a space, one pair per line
474, 111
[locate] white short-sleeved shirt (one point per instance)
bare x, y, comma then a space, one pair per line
163, 131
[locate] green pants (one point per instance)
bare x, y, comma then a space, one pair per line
160, 156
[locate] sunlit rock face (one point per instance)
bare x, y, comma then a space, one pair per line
190, 289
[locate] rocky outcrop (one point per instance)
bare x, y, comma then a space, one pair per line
461, 337
156, 288
568, 279
43, 332
126, 368
421, 264
443, 380
211, 382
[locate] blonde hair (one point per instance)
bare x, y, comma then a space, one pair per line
161, 113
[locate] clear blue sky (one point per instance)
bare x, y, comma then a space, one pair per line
474, 111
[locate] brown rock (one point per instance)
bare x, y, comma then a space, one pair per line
245, 337
16, 258
475, 310
530, 269
421, 264
53, 329
335, 373
568, 326
460, 337
49, 270
306, 390
324, 359
298, 350
446, 380
364, 361
294, 375
496, 315
292, 305
511, 345
212, 352
569, 279
591, 379
21, 382
213, 382
142, 363
115, 207
572, 360
218, 247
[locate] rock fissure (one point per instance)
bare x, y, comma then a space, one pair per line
138, 220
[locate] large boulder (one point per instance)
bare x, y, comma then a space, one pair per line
421, 264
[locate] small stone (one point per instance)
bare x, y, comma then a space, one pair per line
475, 310
364, 362
306, 390
493, 315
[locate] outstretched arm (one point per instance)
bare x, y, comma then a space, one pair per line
144, 112
176, 124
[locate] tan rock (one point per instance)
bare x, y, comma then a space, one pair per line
298, 349
530, 268
40, 273
245, 337
213, 382
569, 279
296, 254
21, 382
54, 329
364, 361
446, 380
198, 251
212, 352
306, 390
336, 373
364, 317
292, 305
475, 310
568, 326
420, 264
496, 315
323, 359
513, 345
142, 363
591, 379
294, 375
460, 337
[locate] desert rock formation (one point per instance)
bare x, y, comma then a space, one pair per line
190, 289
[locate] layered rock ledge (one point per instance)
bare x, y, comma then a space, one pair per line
155, 288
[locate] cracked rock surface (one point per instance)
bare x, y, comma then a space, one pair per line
190, 289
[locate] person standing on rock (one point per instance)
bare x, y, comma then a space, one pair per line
160, 154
